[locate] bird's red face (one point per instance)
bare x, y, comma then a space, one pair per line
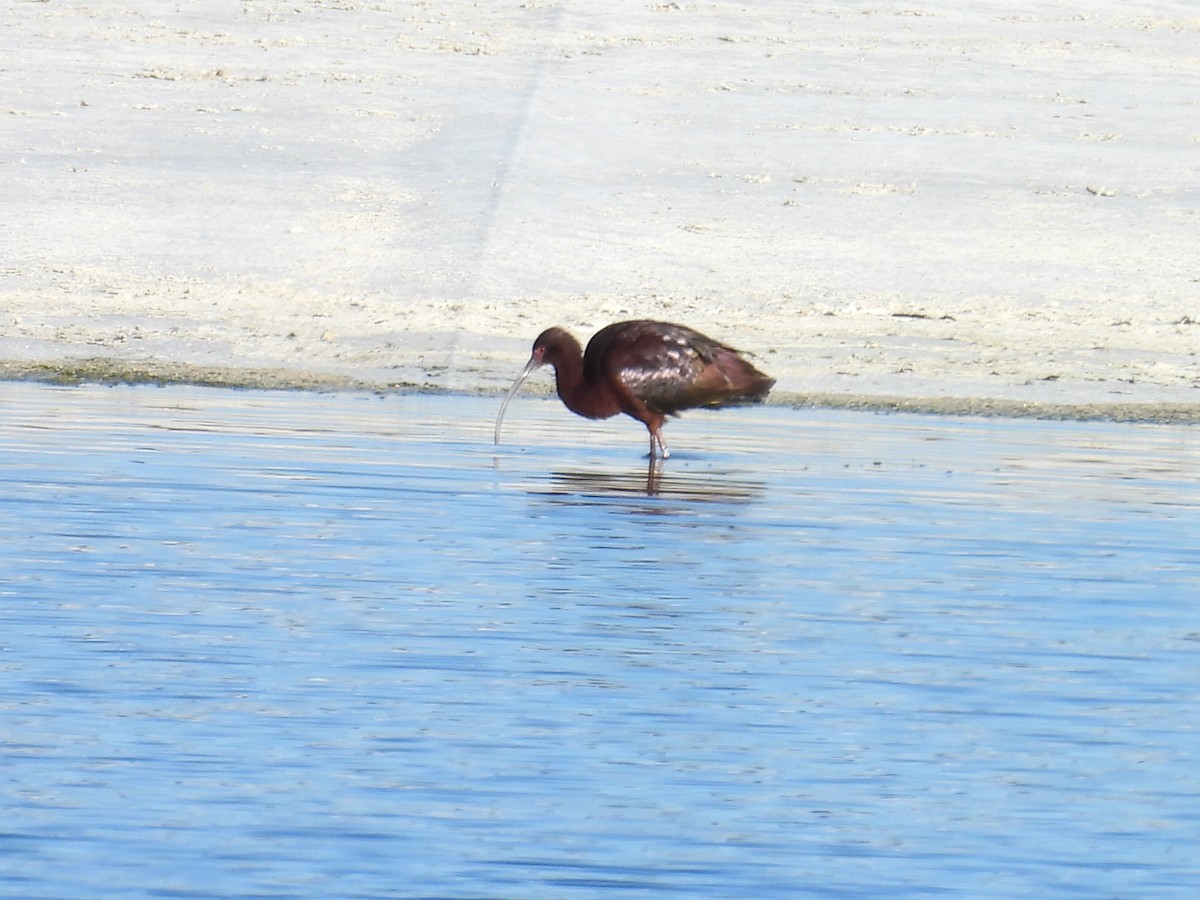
553, 346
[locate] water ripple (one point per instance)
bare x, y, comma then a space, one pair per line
339, 645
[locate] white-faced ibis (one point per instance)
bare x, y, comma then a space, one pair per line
645, 369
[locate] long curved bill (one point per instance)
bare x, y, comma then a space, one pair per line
530, 367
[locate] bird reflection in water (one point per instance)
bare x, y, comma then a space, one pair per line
704, 487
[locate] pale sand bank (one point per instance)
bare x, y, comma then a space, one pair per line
936, 206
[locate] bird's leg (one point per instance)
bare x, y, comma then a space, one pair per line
657, 447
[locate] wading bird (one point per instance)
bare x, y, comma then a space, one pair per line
648, 370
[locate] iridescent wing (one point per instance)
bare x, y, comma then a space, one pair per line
672, 367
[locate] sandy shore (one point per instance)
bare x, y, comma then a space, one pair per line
951, 206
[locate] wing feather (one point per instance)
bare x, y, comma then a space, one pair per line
671, 367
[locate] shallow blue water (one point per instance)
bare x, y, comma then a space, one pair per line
301, 645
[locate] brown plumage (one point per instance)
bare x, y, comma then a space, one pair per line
648, 370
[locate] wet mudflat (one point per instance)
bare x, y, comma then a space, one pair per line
302, 645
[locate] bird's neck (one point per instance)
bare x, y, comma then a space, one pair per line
585, 397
